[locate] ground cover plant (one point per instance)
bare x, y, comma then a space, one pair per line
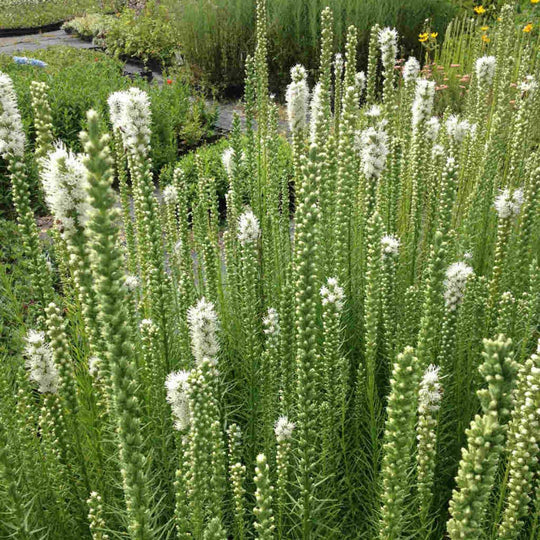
33, 13
352, 353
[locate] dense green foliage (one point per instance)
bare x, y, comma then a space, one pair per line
353, 352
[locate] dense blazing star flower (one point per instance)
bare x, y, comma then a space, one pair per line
373, 112
271, 322
297, 98
437, 151
411, 68
130, 113
388, 44
12, 137
455, 282
94, 367
485, 69
508, 204
373, 150
430, 394
177, 384
40, 363
528, 85
249, 228
390, 245
360, 80
458, 129
65, 182
423, 101
170, 194
132, 282
116, 103
332, 293
203, 327
227, 160
283, 429
433, 125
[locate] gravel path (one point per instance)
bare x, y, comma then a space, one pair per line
32, 42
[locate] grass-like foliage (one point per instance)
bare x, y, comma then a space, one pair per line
351, 353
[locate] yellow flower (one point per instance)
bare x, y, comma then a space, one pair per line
434, 34
484, 28
485, 39
528, 28
479, 10
535, 1
423, 37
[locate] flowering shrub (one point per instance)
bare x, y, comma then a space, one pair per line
353, 353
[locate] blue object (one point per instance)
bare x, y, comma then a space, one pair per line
32, 61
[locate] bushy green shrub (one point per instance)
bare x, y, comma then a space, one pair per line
150, 36
92, 26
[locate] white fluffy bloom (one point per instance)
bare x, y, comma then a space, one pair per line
132, 282
332, 293
271, 322
360, 80
508, 204
430, 390
485, 69
283, 429
12, 138
374, 149
388, 44
456, 280
94, 367
390, 245
517, 197
116, 106
458, 129
338, 62
40, 363
203, 326
297, 98
130, 114
373, 112
423, 101
437, 151
227, 160
177, 384
65, 181
147, 323
411, 68
170, 194
432, 128
528, 85
248, 228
